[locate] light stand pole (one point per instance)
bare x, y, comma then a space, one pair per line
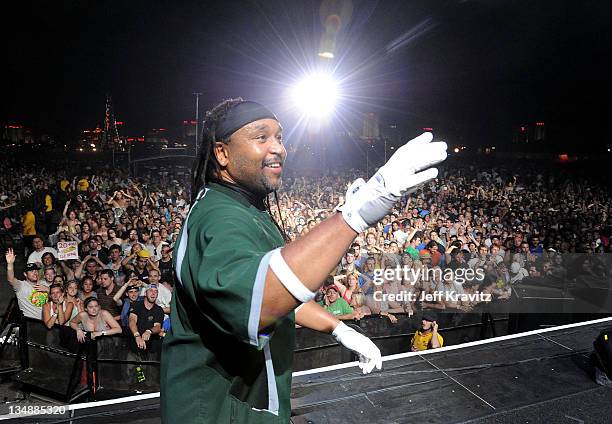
197, 120
368, 162
385, 138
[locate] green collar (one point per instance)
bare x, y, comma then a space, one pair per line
237, 196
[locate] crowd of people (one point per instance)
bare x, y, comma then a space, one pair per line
503, 224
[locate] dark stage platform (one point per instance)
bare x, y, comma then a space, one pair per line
544, 376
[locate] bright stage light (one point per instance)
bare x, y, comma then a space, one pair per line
316, 95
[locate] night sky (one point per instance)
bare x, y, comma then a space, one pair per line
473, 68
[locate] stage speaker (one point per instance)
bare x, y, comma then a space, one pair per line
54, 367
603, 351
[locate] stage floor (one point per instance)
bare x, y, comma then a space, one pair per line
537, 377
544, 377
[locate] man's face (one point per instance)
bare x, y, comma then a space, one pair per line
115, 254
254, 156
93, 244
153, 277
332, 295
37, 243
370, 265
141, 263
152, 295
105, 280
350, 258
165, 252
371, 239
32, 275
426, 325
133, 294
92, 267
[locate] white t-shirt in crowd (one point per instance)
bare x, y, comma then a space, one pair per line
24, 291
37, 256
164, 297
400, 236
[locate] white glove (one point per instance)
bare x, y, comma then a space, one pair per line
369, 354
367, 203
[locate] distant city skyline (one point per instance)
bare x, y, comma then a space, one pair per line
470, 69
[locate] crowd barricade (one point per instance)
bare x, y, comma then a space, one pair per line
314, 349
54, 363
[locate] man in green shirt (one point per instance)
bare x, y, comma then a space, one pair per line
240, 291
338, 306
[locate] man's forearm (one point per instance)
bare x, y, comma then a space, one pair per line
314, 316
435, 343
311, 258
10, 273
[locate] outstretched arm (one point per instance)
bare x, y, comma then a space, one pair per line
10, 263
299, 269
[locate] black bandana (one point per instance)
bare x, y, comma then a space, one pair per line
240, 115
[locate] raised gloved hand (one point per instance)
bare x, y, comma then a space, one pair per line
369, 354
367, 203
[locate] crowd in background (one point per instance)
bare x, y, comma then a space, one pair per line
511, 223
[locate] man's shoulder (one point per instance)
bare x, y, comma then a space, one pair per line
137, 305
215, 204
19, 284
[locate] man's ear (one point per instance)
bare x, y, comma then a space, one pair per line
221, 153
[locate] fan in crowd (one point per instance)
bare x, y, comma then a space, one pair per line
510, 223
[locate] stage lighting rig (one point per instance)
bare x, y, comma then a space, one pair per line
316, 95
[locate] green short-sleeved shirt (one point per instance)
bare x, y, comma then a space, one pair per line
216, 366
339, 307
413, 253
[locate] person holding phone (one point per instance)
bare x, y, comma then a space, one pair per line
427, 337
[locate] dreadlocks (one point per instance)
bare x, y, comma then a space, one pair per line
206, 168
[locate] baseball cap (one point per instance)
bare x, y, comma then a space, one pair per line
331, 287
132, 288
429, 316
32, 267
425, 254
152, 286
144, 254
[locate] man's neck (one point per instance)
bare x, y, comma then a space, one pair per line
255, 199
